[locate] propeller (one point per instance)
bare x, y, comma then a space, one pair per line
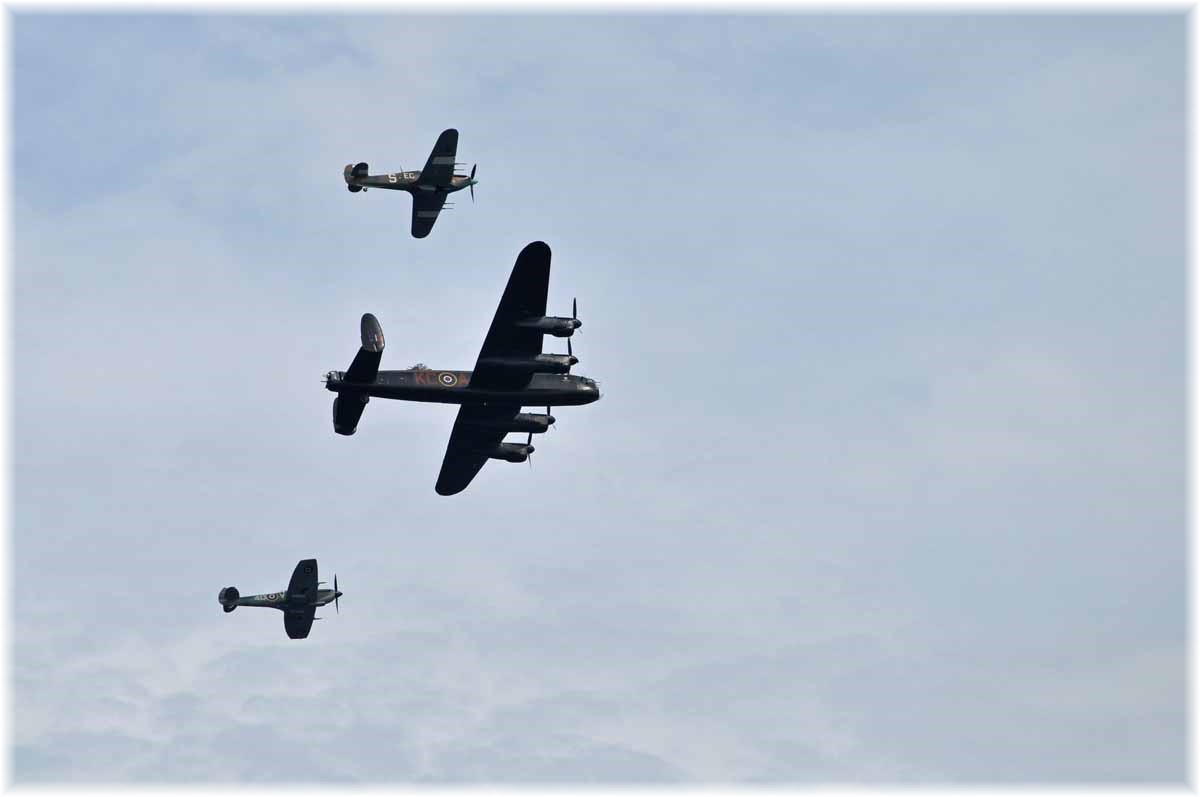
529, 445
472, 183
575, 313
336, 595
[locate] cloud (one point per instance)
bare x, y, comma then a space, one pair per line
888, 470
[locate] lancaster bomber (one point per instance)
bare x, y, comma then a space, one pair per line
511, 372
298, 602
429, 187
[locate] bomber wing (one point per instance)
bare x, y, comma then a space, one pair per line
469, 443
524, 297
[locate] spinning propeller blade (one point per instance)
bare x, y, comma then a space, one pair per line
472, 183
336, 595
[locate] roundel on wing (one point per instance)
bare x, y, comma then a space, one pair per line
448, 379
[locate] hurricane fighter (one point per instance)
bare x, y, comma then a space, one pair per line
429, 187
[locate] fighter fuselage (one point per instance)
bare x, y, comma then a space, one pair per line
280, 600
454, 387
405, 181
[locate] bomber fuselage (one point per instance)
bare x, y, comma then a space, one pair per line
454, 387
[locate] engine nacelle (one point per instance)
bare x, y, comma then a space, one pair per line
538, 364
551, 325
511, 452
537, 423
229, 598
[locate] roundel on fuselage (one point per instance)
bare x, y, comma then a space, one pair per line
448, 379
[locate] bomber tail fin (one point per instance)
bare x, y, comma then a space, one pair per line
349, 405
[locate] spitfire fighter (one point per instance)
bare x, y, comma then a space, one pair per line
510, 372
298, 602
429, 187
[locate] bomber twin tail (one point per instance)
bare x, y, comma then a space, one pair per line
429, 187
298, 602
510, 372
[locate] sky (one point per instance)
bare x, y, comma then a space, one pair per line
887, 483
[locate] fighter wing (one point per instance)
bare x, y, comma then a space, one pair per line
469, 443
440, 166
426, 207
304, 579
524, 297
297, 622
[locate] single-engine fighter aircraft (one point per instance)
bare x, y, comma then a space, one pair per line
428, 187
298, 602
511, 372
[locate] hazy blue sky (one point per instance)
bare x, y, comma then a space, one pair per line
887, 483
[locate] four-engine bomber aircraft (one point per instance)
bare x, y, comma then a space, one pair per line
428, 187
511, 371
298, 603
